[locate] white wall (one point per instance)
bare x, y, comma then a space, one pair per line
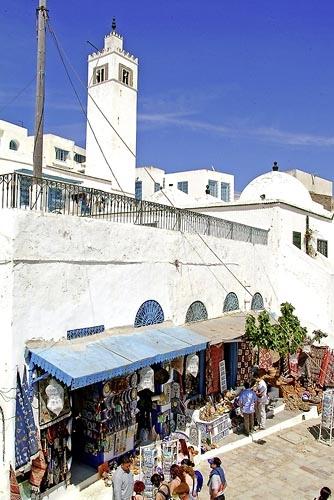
118, 103
148, 176
312, 182
63, 272
197, 180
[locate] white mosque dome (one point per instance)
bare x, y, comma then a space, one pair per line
277, 185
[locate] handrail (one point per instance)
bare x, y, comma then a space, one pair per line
19, 191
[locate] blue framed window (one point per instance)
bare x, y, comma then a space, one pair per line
156, 186
25, 186
183, 186
196, 312
55, 199
231, 302
139, 190
149, 313
225, 191
213, 186
257, 302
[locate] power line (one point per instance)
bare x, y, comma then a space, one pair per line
81, 105
16, 96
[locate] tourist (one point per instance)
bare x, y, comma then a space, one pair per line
163, 490
177, 477
181, 492
138, 489
247, 400
217, 481
187, 467
262, 400
182, 450
325, 493
123, 480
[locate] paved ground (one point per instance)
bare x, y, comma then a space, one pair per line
289, 465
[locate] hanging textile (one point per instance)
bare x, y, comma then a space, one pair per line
232, 365
317, 354
214, 355
26, 445
38, 468
245, 355
14, 486
324, 367
329, 380
265, 359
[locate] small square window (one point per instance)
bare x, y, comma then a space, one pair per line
322, 247
297, 239
61, 154
213, 186
100, 74
156, 187
225, 191
125, 75
183, 186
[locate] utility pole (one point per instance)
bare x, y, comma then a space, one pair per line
40, 89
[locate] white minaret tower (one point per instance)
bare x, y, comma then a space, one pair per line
112, 92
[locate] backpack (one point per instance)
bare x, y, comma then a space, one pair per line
166, 495
200, 480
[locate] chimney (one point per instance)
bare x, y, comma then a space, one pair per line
275, 166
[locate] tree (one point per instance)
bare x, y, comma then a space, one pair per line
259, 331
288, 332
285, 337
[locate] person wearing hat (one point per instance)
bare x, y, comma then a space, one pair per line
217, 480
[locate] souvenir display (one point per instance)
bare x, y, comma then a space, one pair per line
108, 415
146, 376
54, 442
54, 402
192, 365
157, 457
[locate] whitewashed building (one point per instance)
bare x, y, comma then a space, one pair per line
100, 259
196, 183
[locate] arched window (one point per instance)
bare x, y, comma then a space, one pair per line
196, 312
231, 302
13, 145
257, 302
149, 313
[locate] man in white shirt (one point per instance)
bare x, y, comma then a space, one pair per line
262, 400
123, 481
246, 401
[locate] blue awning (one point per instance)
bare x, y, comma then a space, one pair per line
88, 360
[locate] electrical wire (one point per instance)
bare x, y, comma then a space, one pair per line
271, 314
81, 105
91, 97
13, 99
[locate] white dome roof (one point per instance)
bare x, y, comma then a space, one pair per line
277, 186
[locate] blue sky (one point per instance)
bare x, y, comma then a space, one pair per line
235, 84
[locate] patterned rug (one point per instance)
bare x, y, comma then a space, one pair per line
317, 354
265, 359
14, 486
245, 355
214, 355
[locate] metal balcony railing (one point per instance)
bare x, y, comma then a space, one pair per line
19, 191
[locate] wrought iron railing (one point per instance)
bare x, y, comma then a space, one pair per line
19, 191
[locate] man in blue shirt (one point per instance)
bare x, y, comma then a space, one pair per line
247, 401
